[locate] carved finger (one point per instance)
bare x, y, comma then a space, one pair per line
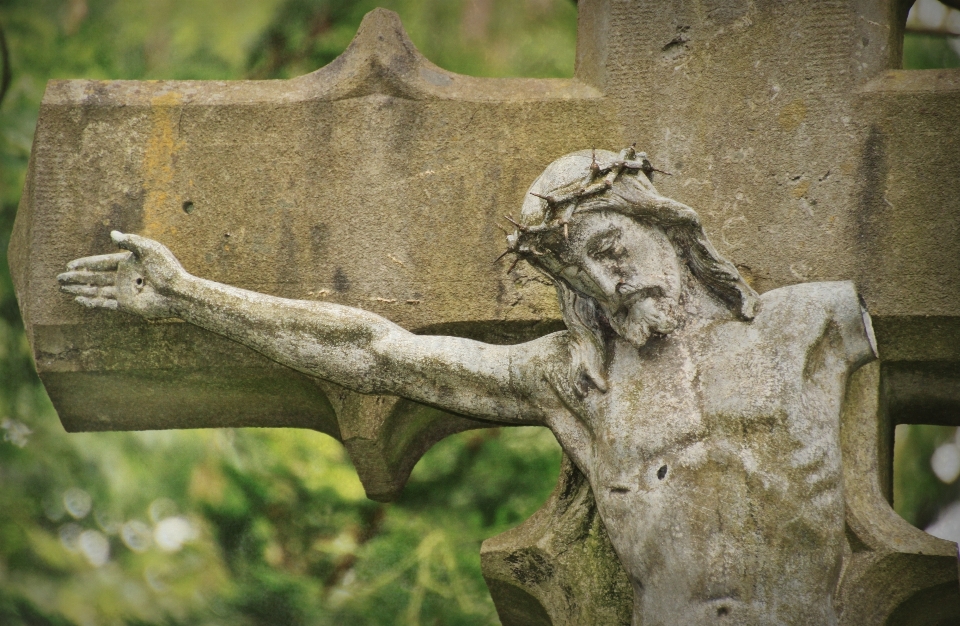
99, 263
99, 279
97, 303
90, 291
81, 290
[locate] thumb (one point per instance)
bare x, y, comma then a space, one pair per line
133, 243
146, 250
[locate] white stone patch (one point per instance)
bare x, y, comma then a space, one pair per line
94, 545
136, 535
15, 432
693, 455
945, 462
172, 533
70, 536
77, 502
934, 16
947, 525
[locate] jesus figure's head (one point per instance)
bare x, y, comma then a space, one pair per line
621, 256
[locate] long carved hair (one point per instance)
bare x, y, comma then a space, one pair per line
589, 333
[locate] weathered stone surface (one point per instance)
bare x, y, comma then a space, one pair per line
379, 179
558, 567
376, 181
705, 418
893, 573
386, 436
806, 152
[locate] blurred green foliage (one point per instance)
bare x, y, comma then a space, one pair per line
918, 494
257, 527
243, 527
922, 52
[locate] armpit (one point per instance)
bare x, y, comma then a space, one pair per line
536, 373
856, 328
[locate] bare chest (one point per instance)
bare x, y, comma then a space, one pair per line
710, 393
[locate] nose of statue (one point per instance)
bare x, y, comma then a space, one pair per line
606, 285
641, 291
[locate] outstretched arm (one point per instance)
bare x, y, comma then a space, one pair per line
348, 346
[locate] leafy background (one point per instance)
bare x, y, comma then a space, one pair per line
259, 526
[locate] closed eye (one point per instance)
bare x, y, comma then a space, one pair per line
609, 248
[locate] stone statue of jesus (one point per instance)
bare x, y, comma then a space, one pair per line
704, 416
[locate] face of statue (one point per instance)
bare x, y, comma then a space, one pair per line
630, 268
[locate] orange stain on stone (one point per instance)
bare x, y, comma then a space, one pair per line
801, 190
160, 198
792, 115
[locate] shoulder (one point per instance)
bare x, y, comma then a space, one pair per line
811, 310
838, 297
540, 369
543, 357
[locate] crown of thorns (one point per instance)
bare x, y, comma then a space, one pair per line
562, 203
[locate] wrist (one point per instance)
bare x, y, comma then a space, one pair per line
178, 289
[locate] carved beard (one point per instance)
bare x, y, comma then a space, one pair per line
644, 317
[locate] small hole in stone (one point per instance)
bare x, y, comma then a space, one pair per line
662, 472
139, 282
188, 207
723, 611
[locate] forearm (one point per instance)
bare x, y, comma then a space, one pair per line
360, 350
318, 338
347, 346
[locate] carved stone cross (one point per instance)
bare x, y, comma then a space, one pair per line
378, 181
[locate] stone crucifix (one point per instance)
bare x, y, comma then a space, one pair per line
378, 182
705, 418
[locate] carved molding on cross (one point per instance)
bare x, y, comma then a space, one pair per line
378, 182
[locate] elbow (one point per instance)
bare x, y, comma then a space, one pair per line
369, 371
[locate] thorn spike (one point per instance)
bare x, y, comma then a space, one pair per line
550, 199
519, 226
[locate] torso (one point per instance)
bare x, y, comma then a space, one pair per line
714, 457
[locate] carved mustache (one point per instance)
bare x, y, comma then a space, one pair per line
632, 293
639, 315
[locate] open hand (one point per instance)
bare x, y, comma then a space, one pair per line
140, 281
